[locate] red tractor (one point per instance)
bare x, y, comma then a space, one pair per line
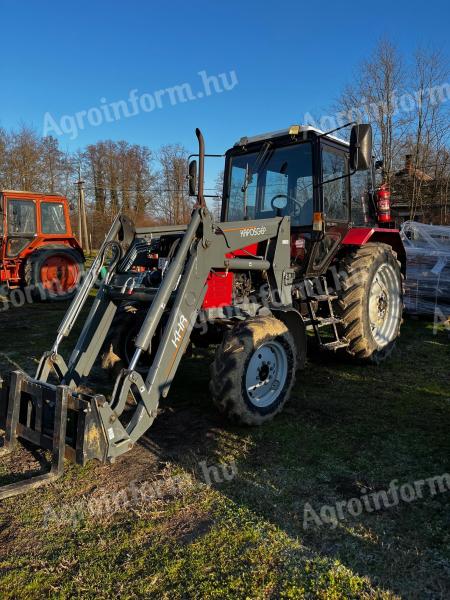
37, 247
304, 242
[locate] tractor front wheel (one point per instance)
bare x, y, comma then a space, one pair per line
254, 370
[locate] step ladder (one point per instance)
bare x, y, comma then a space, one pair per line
324, 298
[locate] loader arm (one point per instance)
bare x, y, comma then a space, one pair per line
204, 248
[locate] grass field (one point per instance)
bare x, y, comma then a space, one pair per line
348, 431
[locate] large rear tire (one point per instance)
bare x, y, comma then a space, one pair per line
370, 302
119, 346
54, 273
254, 370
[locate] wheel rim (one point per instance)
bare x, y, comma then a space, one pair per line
385, 305
59, 274
266, 374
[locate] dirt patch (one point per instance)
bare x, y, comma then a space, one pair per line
187, 525
23, 460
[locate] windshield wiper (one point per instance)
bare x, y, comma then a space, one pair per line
259, 163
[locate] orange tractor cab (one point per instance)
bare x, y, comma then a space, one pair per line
37, 247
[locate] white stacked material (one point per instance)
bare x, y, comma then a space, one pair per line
427, 289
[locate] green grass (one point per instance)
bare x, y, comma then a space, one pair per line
347, 429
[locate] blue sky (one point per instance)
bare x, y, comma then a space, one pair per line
289, 57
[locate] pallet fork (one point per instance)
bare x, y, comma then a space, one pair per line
18, 384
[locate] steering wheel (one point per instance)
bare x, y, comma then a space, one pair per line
277, 208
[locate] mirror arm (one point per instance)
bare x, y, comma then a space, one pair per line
337, 129
322, 183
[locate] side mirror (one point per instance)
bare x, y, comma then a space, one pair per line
279, 201
192, 178
360, 147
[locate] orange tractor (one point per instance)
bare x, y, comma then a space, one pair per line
38, 250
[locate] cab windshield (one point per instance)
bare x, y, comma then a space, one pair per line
264, 181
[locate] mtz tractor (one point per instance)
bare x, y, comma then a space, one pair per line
37, 247
304, 241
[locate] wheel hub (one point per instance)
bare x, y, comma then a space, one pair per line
384, 305
59, 273
266, 374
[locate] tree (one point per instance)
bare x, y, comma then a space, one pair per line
24, 160
405, 102
373, 96
126, 183
94, 158
431, 121
143, 177
52, 164
3, 158
172, 203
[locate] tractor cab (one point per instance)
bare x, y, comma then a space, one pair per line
25, 216
37, 246
323, 183
300, 172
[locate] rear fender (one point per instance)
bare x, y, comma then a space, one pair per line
66, 243
364, 235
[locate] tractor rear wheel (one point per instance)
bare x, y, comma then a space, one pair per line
119, 346
254, 370
370, 302
54, 273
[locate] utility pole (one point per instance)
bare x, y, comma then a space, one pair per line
82, 221
80, 225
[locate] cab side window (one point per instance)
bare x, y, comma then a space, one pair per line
335, 191
360, 185
52, 218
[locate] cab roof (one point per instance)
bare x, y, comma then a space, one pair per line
293, 130
28, 193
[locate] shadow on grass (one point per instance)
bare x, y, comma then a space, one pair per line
349, 430
346, 428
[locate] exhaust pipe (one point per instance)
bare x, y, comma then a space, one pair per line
201, 167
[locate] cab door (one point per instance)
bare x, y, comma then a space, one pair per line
21, 225
334, 199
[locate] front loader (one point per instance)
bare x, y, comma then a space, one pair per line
278, 263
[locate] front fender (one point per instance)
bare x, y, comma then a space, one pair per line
296, 326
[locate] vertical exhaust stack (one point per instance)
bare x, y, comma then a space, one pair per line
201, 168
